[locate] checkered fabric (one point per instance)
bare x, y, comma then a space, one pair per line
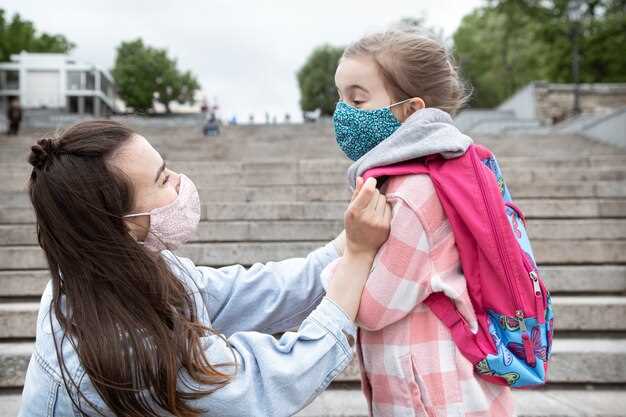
410, 366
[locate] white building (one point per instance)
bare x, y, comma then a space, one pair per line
56, 81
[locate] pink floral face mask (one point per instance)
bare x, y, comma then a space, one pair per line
174, 224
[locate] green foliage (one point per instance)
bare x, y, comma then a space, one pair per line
17, 35
317, 80
509, 43
144, 74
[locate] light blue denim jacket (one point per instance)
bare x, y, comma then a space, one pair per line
274, 377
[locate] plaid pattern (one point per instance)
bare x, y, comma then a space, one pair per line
410, 366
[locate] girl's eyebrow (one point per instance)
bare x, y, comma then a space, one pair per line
357, 87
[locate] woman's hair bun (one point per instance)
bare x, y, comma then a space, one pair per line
40, 152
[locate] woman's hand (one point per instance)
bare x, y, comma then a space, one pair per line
367, 219
340, 242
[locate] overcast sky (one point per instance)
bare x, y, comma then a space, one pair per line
245, 53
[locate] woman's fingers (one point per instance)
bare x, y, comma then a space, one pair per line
380, 206
357, 188
365, 194
387, 214
371, 206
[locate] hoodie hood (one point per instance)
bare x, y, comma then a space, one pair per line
428, 131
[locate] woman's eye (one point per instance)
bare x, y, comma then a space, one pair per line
167, 178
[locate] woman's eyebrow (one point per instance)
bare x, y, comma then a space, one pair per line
159, 172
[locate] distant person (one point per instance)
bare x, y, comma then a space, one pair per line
251, 119
14, 116
267, 118
287, 118
211, 125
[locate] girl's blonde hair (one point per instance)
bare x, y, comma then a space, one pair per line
414, 65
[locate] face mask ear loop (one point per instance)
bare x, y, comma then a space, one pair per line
400, 102
136, 215
129, 232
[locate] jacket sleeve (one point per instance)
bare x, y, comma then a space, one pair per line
269, 298
415, 262
279, 377
269, 377
401, 274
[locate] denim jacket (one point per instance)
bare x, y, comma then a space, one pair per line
273, 377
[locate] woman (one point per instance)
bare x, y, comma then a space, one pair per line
126, 328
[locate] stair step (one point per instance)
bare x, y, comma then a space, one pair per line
247, 253
535, 403
573, 361
244, 175
286, 230
600, 313
586, 279
533, 208
339, 192
566, 168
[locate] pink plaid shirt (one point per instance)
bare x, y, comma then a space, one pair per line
410, 366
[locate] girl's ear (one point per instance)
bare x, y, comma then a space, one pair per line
414, 105
411, 107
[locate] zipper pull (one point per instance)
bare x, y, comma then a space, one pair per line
539, 307
529, 352
535, 279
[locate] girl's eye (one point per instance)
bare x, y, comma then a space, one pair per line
167, 178
358, 102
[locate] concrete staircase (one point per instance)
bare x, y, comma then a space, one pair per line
271, 192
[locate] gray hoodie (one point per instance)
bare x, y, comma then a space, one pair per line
426, 132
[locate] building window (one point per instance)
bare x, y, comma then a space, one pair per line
74, 80
105, 85
72, 104
90, 81
10, 80
89, 107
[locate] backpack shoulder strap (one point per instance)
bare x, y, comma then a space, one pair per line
404, 168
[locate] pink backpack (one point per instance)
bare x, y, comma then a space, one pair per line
512, 304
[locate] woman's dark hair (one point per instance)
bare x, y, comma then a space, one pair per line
131, 321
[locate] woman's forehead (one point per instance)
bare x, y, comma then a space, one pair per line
137, 158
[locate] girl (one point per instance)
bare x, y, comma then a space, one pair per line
398, 91
128, 329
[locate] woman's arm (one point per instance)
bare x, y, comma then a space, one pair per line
277, 296
279, 377
270, 298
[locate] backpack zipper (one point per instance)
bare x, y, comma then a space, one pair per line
519, 312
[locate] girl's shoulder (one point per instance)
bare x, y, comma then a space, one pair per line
418, 192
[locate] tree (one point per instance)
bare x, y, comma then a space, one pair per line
317, 80
17, 35
509, 43
497, 53
595, 27
144, 75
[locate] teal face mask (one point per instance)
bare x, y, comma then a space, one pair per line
358, 131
